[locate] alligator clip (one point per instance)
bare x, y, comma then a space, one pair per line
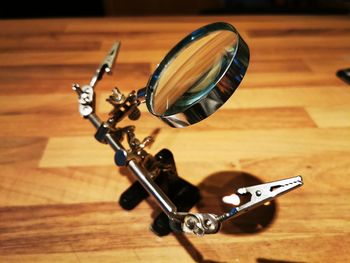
106, 65
261, 194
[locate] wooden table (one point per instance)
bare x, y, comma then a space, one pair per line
290, 116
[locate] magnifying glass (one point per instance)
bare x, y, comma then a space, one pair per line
198, 75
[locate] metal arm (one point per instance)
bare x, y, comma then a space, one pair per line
201, 224
133, 158
86, 98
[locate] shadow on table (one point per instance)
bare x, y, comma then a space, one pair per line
195, 254
221, 184
213, 188
225, 183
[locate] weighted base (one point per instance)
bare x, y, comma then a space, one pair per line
182, 193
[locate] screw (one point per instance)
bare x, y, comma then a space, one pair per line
258, 193
117, 95
207, 223
191, 222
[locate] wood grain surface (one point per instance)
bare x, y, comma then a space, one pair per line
291, 115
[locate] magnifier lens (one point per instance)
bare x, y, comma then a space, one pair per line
197, 75
193, 72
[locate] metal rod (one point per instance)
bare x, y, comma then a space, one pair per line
116, 145
141, 173
152, 188
95, 120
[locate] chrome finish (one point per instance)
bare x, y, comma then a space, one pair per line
115, 145
106, 65
263, 193
95, 120
85, 98
200, 224
219, 93
144, 178
86, 94
136, 147
117, 97
152, 188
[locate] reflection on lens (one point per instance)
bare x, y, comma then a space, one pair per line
193, 71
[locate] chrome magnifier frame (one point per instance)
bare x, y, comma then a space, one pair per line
220, 91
